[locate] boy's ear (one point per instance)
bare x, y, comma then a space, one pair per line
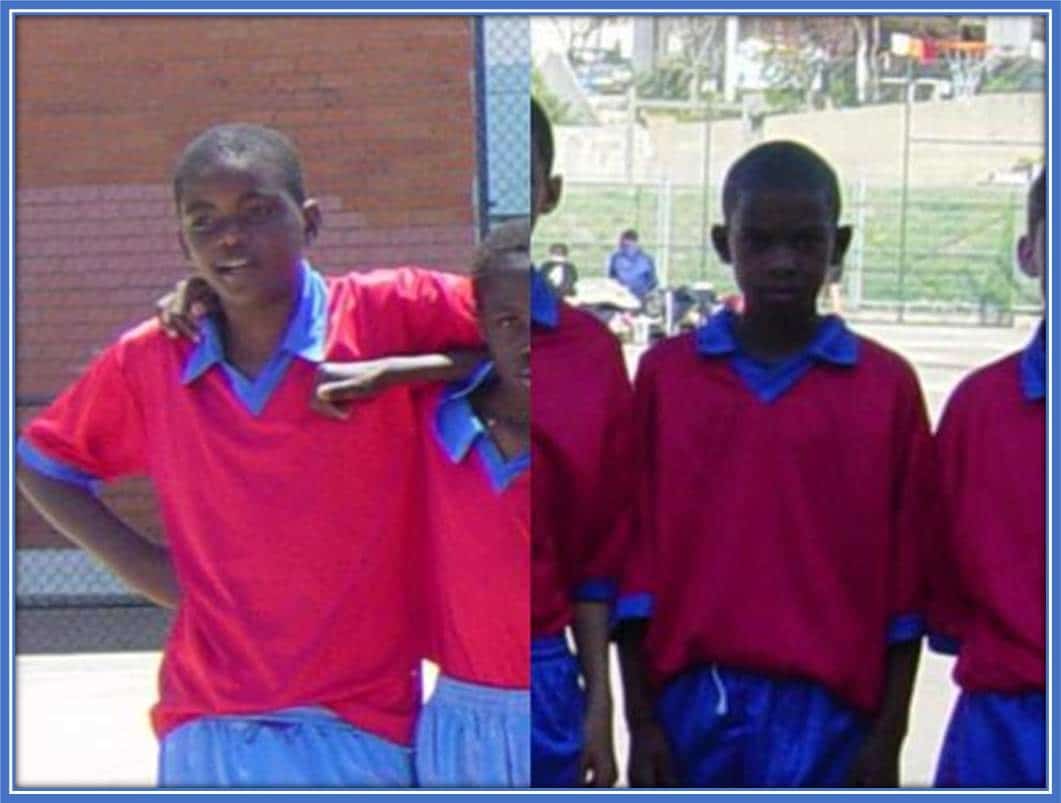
1026, 257
841, 244
554, 188
720, 239
312, 219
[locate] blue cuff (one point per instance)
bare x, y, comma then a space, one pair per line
944, 644
49, 467
596, 591
633, 606
905, 627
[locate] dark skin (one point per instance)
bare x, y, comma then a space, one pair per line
877, 763
244, 235
590, 629
142, 564
650, 764
339, 386
503, 295
781, 244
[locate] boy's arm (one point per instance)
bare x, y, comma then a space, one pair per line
180, 311
76, 513
917, 520
591, 642
877, 762
650, 763
339, 384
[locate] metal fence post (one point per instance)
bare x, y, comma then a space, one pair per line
907, 108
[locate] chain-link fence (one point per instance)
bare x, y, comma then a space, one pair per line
935, 192
503, 86
958, 251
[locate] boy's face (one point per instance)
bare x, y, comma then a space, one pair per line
781, 243
1031, 254
545, 189
243, 232
504, 317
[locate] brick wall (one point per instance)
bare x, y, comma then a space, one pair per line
381, 109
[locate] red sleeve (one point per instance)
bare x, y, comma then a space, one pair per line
95, 426
916, 511
417, 311
638, 577
604, 541
947, 604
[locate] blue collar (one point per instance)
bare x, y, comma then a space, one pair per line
303, 338
458, 429
833, 343
544, 306
1033, 366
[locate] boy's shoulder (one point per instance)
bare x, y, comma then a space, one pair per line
883, 362
406, 278
582, 333
147, 340
988, 384
676, 352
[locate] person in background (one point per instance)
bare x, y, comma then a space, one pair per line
631, 267
559, 271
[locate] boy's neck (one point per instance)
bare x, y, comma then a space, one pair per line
769, 337
506, 412
251, 335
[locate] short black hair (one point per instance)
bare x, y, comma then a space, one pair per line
241, 141
1037, 201
782, 165
542, 136
512, 236
629, 234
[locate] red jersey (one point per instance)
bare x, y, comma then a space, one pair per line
583, 475
988, 576
781, 510
478, 562
288, 531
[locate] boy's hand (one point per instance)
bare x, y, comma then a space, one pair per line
650, 758
180, 311
339, 384
597, 764
877, 763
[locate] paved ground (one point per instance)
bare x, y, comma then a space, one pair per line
81, 720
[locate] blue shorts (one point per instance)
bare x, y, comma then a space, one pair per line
474, 736
558, 713
734, 729
295, 747
995, 741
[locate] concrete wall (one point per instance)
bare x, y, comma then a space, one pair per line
866, 141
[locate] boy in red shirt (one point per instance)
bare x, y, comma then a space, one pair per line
988, 581
475, 729
786, 474
273, 674
582, 484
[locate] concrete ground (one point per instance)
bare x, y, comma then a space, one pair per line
81, 720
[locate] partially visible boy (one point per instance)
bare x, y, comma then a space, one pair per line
293, 659
475, 729
582, 484
559, 271
988, 579
786, 478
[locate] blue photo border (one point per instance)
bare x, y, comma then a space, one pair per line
11, 8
